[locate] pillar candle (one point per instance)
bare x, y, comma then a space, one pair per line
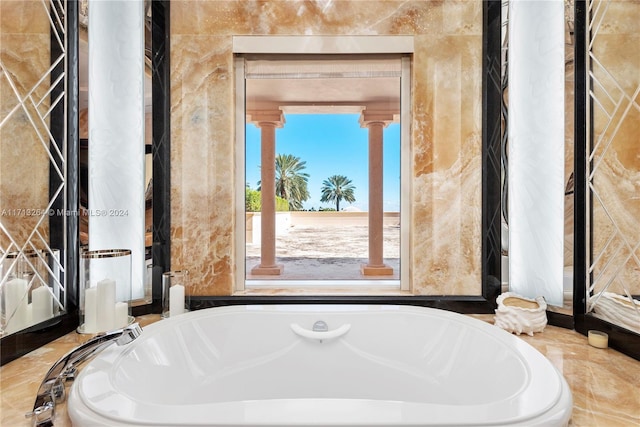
15, 300
176, 300
42, 302
106, 302
29, 316
122, 314
90, 310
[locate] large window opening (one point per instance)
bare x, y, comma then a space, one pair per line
324, 151
322, 200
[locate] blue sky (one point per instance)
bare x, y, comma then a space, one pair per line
331, 144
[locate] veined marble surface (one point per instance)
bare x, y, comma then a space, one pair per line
615, 185
445, 126
603, 381
24, 163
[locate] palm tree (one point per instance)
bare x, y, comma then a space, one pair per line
291, 182
336, 188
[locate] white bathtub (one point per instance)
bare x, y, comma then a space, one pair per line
375, 366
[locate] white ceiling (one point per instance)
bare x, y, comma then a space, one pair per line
323, 85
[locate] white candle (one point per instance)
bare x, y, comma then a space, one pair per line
598, 339
42, 301
176, 300
29, 316
106, 303
90, 310
122, 314
15, 300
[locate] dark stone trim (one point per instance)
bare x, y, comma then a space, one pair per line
460, 304
560, 320
580, 161
141, 310
491, 151
72, 260
161, 84
621, 339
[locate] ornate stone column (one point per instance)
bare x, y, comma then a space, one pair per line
376, 122
267, 121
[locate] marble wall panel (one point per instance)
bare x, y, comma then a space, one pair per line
447, 167
24, 164
202, 215
616, 165
446, 128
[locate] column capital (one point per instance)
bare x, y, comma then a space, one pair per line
276, 117
378, 116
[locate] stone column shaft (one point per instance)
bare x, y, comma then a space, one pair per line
268, 264
376, 266
268, 195
376, 207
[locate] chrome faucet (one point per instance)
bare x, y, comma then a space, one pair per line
52, 389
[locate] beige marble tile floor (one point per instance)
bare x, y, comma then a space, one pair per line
604, 382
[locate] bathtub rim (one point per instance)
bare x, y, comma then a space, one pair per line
558, 415
557, 409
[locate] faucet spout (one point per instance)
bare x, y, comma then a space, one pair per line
52, 388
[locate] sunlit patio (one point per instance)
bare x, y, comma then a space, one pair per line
327, 253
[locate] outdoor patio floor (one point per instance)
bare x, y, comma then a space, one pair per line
323, 255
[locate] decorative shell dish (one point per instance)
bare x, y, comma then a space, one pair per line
517, 314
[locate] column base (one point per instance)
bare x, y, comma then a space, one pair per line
274, 270
381, 270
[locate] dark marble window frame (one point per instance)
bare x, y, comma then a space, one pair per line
621, 339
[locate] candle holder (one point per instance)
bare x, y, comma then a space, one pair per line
30, 289
175, 300
105, 290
